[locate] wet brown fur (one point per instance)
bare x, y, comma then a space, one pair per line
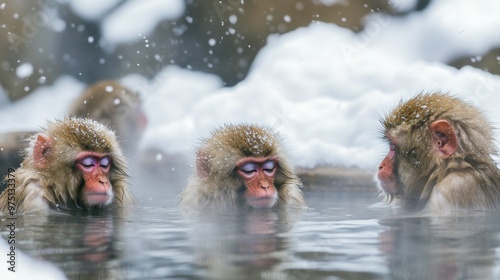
219, 155
469, 179
113, 105
59, 185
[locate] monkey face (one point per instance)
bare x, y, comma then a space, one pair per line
258, 177
95, 168
387, 170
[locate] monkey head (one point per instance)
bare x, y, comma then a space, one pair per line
79, 163
430, 136
245, 162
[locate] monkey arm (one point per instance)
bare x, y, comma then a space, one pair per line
292, 195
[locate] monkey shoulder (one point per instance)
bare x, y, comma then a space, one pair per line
459, 191
438, 201
33, 199
25, 198
128, 198
193, 194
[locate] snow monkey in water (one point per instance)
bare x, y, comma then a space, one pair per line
74, 164
242, 165
115, 106
439, 156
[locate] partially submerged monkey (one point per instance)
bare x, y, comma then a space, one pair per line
115, 106
75, 164
440, 156
244, 166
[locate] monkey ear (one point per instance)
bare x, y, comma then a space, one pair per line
202, 165
42, 150
444, 138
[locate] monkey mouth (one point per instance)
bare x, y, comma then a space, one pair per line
98, 198
387, 184
388, 187
262, 202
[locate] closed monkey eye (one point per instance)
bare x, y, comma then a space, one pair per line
88, 162
249, 168
268, 167
104, 162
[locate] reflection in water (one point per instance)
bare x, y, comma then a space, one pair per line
84, 244
340, 237
449, 247
243, 243
98, 240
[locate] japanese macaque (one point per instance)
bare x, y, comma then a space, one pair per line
74, 164
115, 106
242, 165
439, 156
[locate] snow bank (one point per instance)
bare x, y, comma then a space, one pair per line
138, 18
129, 21
92, 9
325, 88
446, 30
46, 103
27, 266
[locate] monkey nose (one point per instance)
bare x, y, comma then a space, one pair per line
103, 179
264, 184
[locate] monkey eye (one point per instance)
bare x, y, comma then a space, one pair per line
392, 147
269, 166
88, 162
392, 150
104, 162
249, 168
